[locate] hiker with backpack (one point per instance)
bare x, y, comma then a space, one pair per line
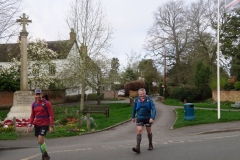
143, 113
42, 117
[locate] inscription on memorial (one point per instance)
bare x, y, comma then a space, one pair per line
23, 99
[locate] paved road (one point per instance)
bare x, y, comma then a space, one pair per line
116, 142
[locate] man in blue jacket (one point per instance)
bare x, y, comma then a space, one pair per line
143, 113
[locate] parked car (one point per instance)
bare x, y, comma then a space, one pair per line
121, 92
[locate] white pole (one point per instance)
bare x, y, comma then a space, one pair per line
218, 72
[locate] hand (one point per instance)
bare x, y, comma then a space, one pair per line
28, 129
133, 120
150, 120
50, 129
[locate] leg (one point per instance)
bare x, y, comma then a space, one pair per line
139, 137
43, 148
148, 128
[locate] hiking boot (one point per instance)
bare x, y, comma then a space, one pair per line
150, 147
136, 149
45, 156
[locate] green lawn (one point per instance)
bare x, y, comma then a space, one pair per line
202, 115
205, 117
118, 112
207, 104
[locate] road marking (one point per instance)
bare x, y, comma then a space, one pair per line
222, 137
36, 155
214, 138
194, 140
31, 157
232, 136
108, 147
178, 141
126, 146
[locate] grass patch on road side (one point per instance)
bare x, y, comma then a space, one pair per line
206, 104
8, 136
118, 112
205, 117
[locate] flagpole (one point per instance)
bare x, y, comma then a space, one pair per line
218, 71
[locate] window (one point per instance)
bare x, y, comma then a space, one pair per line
52, 69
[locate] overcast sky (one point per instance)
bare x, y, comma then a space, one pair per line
131, 20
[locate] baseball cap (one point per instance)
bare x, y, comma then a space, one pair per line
38, 90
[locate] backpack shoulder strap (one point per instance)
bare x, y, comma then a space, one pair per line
34, 105
44, 102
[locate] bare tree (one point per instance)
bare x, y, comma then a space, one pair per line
169, 34
8, 12
94, 34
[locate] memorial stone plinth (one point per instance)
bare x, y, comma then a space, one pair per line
22, 102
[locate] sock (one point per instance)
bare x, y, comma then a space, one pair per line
43, 148
139, 138
150, 138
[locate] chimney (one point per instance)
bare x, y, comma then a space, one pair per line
72, 35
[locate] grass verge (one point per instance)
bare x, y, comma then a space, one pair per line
118, 112
8, 136
207, 104
205, 117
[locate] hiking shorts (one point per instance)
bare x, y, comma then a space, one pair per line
142, 122
40, 130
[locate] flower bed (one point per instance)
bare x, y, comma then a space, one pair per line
19, 122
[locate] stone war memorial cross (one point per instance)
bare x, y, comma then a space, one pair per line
23, 34
23, 99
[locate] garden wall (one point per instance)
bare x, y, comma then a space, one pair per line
55, 97
108, 94
232, 96
6, 98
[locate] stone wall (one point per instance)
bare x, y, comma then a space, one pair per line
6, 98
108, 94
55, 97
232, 96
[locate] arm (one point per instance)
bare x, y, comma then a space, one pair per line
153, 115
51, 116
134, 112
31, 119
50, 112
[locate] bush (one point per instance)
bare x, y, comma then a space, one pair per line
237, 86
228, 86
160, 90
75, 98
185, 92
210, 101
93, 96
236, 105
133, 86
206, 92
92, 122
8, 129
